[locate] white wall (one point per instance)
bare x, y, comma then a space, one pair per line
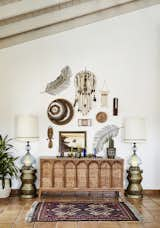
125, 51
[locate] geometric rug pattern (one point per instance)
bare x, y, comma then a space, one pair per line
58, 211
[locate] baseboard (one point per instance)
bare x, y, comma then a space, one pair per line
146, 192
151, 192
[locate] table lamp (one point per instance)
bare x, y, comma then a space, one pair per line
134, 132
27, 131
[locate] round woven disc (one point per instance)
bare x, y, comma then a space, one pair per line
60, 111
57, 110
101, 117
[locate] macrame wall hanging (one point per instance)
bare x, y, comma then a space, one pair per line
104, 95
61, 82
85, 82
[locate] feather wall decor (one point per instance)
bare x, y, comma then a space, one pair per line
61, 82
102, 136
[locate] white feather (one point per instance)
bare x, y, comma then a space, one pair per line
102, 136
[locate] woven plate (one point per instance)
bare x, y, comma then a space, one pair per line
60, 111
101, 117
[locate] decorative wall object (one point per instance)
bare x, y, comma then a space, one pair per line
103, 135
72, 141
85, 82
104, 98
115, 106
104, 95
61, 83
84, 122
60, 111
101, 117
50, 137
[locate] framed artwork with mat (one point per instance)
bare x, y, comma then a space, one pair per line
72, 141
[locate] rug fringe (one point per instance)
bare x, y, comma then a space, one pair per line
30, 213
135, 211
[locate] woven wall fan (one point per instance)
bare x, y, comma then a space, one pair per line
61, 82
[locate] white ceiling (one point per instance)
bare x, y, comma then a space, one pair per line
23, 20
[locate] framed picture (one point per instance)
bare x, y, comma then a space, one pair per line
72, 141
84, 122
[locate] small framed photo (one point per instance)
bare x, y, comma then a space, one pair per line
85, 122
72, 141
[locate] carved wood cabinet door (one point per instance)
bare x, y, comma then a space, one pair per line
71, 174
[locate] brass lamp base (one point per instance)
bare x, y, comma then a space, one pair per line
134, 189
28, 188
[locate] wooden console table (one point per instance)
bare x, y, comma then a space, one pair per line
81, 175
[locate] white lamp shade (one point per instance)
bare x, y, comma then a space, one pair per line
134, 129
27, 128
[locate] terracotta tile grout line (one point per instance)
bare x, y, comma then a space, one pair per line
155, 201
19, 215
149, 211
150, 198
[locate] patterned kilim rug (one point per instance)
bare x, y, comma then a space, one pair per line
56, 211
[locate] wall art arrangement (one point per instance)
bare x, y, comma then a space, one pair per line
72, 142
60, 111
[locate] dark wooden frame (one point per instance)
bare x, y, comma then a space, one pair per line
72, 132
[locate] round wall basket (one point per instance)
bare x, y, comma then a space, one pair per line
60, 112
101, 117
